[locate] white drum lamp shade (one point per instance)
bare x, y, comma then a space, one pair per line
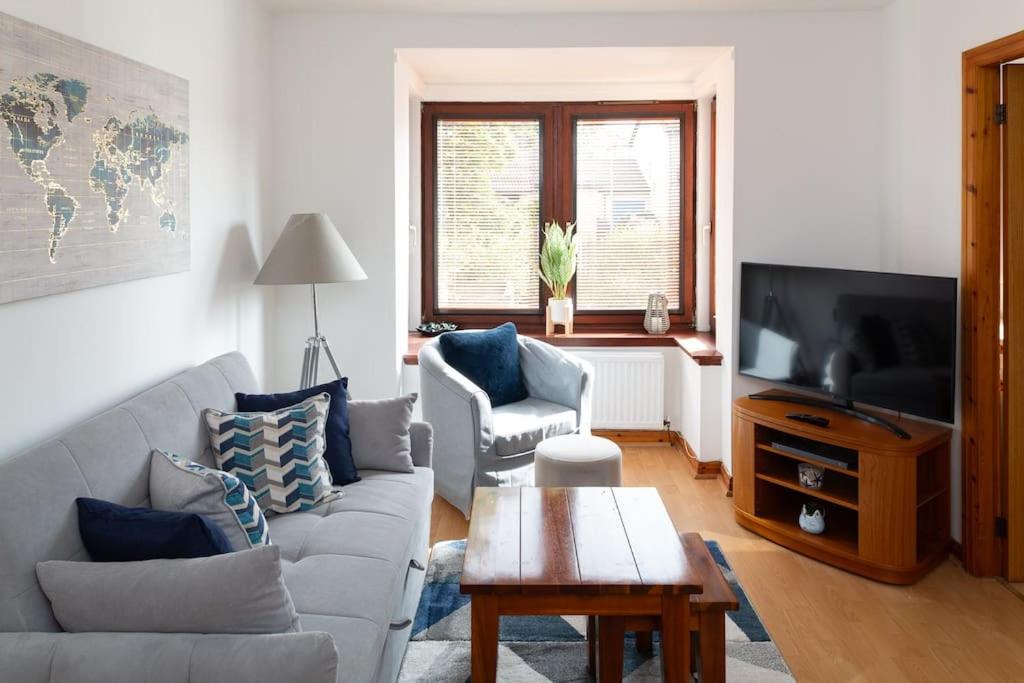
309, 251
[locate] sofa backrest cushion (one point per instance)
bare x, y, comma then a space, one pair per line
106, 457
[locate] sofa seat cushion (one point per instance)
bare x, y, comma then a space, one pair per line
374, 518
345, 563
395, 493
353, 599
520, 426
359, 648
375, 535
344, 586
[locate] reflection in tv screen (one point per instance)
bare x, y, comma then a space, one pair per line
884, 339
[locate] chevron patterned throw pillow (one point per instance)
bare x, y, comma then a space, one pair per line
277, 455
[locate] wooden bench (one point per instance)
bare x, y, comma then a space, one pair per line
707, 623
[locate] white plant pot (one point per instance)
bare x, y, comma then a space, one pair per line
812, 524
560, 310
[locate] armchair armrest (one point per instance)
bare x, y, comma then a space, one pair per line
421, 436
446, 391
559, 377
433, 367
460, 413
167, 657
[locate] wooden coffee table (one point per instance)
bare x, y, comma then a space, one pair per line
603, 552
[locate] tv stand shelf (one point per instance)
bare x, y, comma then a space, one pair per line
886, 514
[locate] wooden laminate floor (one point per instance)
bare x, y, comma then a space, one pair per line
830, 625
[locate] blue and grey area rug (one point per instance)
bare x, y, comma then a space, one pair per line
554, 649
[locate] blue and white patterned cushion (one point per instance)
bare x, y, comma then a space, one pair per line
277, 455
177, 484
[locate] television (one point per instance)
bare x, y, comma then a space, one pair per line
883, 339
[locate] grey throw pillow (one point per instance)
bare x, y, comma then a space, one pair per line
177, 484
380, 433
239, 592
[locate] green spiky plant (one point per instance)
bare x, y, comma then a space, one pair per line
558, 258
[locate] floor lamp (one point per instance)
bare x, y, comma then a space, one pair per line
311, 251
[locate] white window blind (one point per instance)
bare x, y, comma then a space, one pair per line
627, 212
488, 189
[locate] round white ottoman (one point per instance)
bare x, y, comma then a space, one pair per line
577, 460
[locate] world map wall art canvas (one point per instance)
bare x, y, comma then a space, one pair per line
94, 158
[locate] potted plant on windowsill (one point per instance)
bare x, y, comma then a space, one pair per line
556, 269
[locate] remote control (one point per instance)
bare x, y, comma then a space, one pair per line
816, 420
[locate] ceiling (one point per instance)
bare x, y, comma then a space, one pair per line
566, 6
503, 66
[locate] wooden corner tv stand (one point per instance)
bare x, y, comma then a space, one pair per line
886, 513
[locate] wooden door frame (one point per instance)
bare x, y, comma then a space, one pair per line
982, 472
1013, 315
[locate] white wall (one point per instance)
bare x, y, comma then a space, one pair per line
923, 41
799, 186
407, 87
65, 357
700, 389
719, 80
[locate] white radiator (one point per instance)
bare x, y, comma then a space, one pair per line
629, 389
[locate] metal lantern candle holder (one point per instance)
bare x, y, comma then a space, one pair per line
656, 318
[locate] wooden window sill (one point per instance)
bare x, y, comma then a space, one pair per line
700, 346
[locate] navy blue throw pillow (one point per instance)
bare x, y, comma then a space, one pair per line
114, 533
338, 453
489, 359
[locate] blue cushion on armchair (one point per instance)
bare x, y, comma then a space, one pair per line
489, 359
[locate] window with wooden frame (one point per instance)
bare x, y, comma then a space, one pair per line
495, 173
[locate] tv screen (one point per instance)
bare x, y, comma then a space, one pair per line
884, 339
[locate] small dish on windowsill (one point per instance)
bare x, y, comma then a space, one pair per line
434, 329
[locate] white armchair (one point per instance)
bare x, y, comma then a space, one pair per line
477, 445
